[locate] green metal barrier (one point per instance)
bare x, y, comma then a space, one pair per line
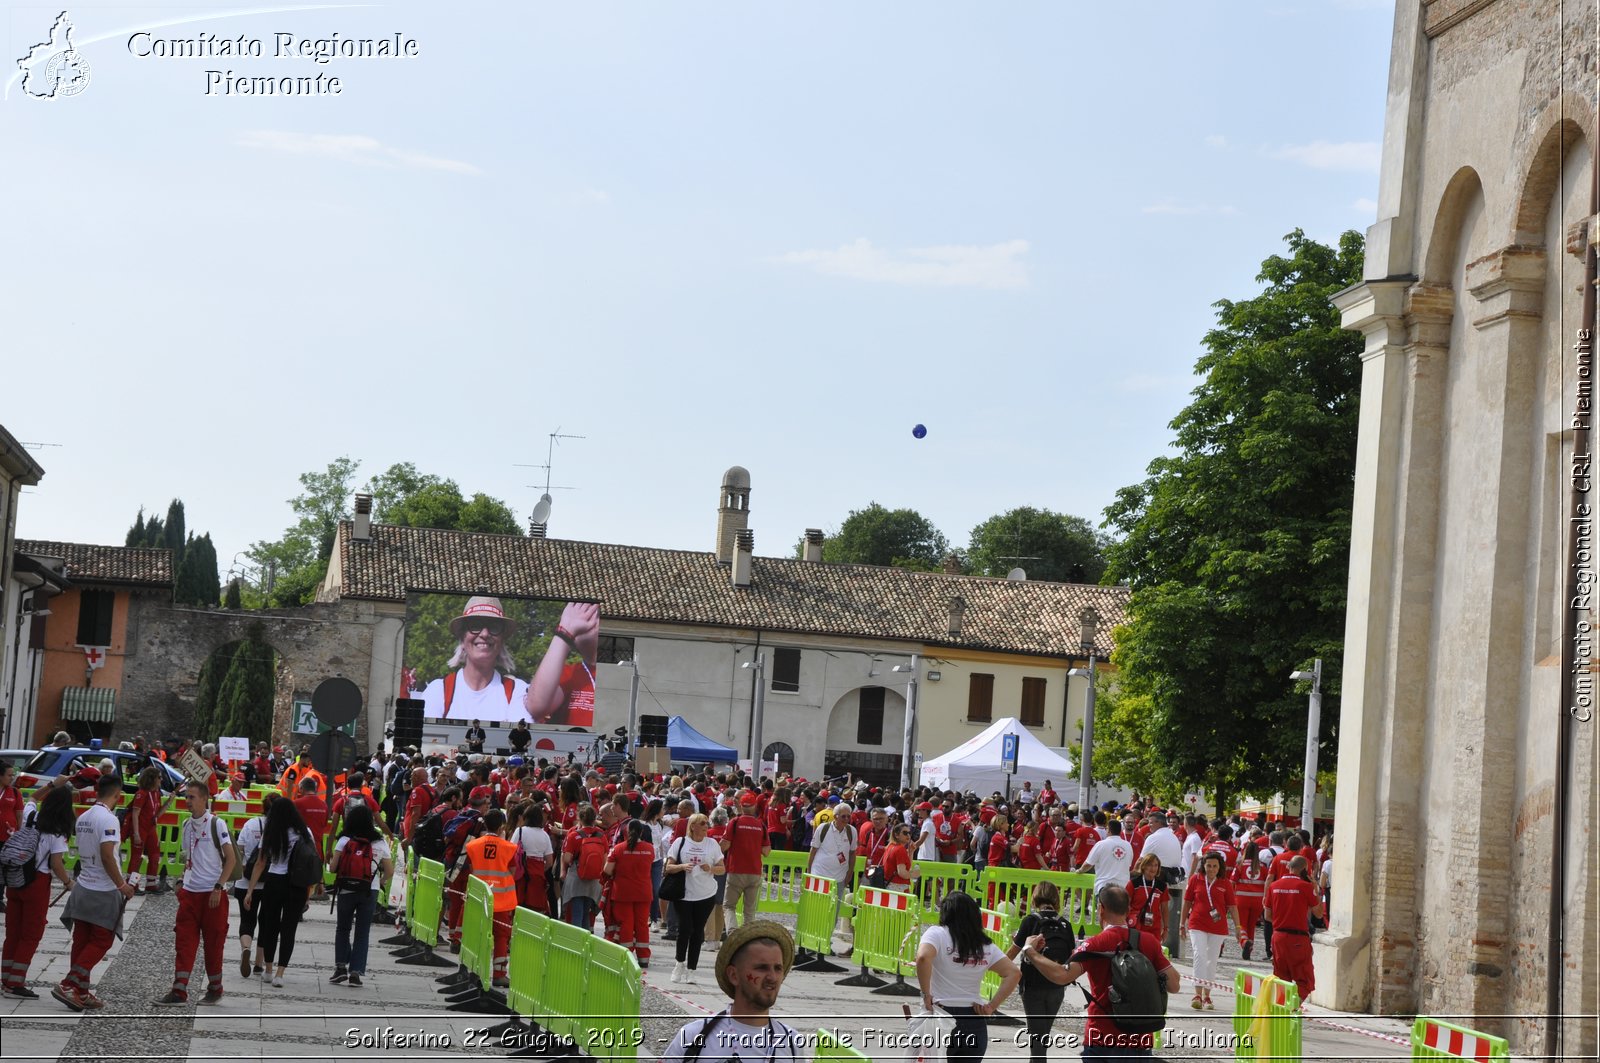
818, 913
936, 880
1008, 889
1000, 929
782, 880
610, 1024
830, 1047
883, 919
1272, 1030
477, 931
427, 895
1432, 1039
566, 968
530, 936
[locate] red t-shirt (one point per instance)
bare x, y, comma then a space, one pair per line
419, 804
1147, 905
1028, 853
1202, 902
986, 813
775, 823
146, 804
1230, 855
1249, 881
998, 846
1291, 899
1084, 839
1100, 1029
897, 866
630, 879
314, 810
1280, 865
744, 853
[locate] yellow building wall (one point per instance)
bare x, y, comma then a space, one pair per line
942, 710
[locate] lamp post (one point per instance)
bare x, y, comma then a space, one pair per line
1089, 620
908, 743
1308, 791
633, 703
760, 665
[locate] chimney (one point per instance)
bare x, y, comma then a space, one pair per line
958, 607
952, 565
1089, 623
812, 550
744, 547
734, 515
363, 522
536, 529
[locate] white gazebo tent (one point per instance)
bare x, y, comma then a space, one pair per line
975, 764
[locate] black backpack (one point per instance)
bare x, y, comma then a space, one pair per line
1059, 944
1137, 997
427, 838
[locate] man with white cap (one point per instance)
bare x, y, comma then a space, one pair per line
751, 967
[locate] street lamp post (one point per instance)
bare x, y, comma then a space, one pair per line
1308, 791
760, 665
633, 704
908, 742
1089, 620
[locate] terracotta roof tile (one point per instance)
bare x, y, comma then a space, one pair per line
86, 563
682, 586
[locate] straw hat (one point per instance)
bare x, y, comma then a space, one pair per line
481, 607
738, 939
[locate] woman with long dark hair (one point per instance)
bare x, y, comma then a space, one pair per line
282, 904
952, 959
361, 861
27, 908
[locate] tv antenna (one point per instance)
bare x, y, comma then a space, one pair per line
541, 509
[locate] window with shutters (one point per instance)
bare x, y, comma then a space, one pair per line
980, 697
869, 718
614, 649
94, 617
786, 671
1032, 714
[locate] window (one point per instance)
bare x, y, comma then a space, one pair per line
980, 697
614, 649
1032, 701
94, 617
878, 769
869, 720
783, 753
786, 671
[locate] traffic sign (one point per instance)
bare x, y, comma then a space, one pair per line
1008, 754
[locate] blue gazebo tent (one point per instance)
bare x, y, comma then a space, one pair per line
687, 744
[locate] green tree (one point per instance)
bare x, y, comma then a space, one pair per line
172, 536
211, 675
234, 599
393, 487
484, 513
903, 538
135, 535
1047, 545
154, 533
1236, 546
325, 502
402, 495
245, 696
196, 581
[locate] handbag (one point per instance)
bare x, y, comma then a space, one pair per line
673, 883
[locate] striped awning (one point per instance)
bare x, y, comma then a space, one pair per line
89, 704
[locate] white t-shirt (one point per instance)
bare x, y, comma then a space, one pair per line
488, 705
1192, 844
49, 845
730, 1039
928, 841
202, 868
834, 850
280, 861
1165, 845
952, 982
380, 853
703, 854
535, 841
97, 824
249, 842
661, 834
1112, 858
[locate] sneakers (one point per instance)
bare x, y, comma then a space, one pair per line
20, 990
678, 971
1210, 1006
500, 981
355, 980
259, 972
173, 999
244, 966
277, 981
689, 978
213, 996
1246, 948
339, 975
69, 996
91, 1001
1195, 1003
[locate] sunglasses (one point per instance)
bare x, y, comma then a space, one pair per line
493, 627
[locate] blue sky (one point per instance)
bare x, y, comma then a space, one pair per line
698, 234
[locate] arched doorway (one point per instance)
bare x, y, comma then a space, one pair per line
783, 754
865, 728
237, 690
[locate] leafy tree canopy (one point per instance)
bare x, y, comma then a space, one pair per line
903, 538
1237, 545
1048, 546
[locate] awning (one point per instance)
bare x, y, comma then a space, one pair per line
89, 704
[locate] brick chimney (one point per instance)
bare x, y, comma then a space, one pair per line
744, 548
952, 565
362, 529
734, 515
958, 608
536, 528
812, 551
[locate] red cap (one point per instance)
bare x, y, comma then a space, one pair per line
748, 799
480, 792
825, 794
611, 787
925, 807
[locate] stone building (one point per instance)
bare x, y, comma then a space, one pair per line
1446, 899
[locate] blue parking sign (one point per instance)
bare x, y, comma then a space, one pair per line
1008, 753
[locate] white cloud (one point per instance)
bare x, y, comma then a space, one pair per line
1362, 155
1216, 140
1167, 206
349, 147
948, 266
1365, 206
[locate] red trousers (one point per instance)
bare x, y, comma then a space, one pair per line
455, 895
198, 920
633, 927
90, 943
1291, 961
27, 910
148, 848
1249, 916
502, 941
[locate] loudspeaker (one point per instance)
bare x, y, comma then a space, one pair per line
652, 731
408, 722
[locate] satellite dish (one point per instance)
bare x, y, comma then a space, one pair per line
541, 509
1017, 574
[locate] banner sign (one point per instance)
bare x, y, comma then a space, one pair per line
233, 749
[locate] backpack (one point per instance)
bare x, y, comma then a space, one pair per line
18, 863
1137, 997
1059, 944
355, 865
591, 854
457, 833
427, 838
305, 864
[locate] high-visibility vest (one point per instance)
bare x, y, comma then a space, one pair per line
489, 857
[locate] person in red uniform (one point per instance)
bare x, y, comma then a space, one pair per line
1249, 886
420, 803
1147, 897
1280, 863
314, 810
1221, 841
1290, 903
1028, 848
776, 817
141, 823
898, 870
628, 868
489, 858
1084, 838
28, 907
10, 801
746, 846
1102, 1037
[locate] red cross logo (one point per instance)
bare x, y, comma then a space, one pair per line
95, 656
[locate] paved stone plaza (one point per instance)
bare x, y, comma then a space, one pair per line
398, 1014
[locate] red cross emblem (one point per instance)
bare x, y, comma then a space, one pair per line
94, 655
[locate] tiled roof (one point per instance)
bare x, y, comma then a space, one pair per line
682, 586
132, 565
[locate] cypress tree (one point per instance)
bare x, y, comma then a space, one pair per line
136, 533
244, 702
211, 675
154, 533
173, 536
233, 600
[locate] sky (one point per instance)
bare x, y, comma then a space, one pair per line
695, 234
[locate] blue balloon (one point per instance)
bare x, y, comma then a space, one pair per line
919, 431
